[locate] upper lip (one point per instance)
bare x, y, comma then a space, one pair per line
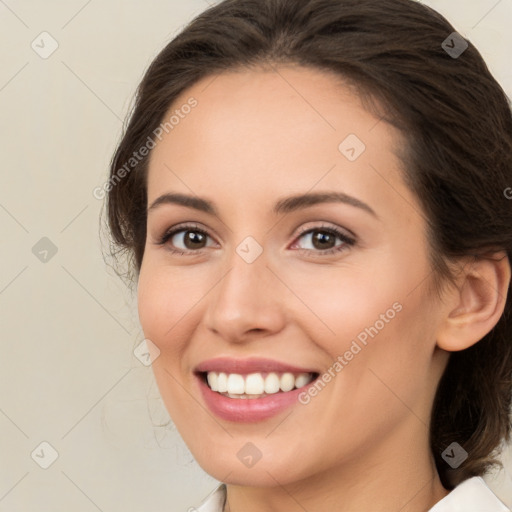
252, 365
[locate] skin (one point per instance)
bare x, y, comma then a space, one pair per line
362, 443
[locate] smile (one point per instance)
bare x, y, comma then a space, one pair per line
255, 385
250, 390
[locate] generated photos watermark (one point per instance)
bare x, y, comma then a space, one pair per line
137, 156
355, 347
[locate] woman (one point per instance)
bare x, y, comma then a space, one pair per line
313, 198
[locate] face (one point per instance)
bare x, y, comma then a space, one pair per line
334, 289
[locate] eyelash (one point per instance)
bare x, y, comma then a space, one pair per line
347, 241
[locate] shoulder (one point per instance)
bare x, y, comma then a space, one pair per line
472, 495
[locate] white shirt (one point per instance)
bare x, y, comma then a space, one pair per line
472, 495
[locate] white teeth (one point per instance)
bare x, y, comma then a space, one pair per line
236, 384
244, 396
302, 380
287, 382
254, 385
231, 395
272, 383
222, 382
213, 381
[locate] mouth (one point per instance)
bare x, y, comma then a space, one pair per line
251, 390
255, 385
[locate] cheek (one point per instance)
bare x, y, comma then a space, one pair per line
374, 315
336, 304
166, 299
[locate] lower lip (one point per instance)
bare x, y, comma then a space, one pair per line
248, 410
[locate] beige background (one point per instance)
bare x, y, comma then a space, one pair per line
68, 375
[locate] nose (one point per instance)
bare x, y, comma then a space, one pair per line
246, 302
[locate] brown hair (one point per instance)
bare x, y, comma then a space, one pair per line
456, 120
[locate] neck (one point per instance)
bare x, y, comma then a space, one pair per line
399, 475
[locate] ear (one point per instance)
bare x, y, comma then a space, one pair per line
474, 306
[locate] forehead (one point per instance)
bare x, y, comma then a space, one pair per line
265, 132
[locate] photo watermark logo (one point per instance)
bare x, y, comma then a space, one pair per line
137, 156
343, 360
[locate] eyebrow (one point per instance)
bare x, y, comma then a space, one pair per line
282, 206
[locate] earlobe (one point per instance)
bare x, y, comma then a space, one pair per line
475, 306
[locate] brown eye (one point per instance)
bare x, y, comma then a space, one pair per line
323, 240
183, 239
194, 239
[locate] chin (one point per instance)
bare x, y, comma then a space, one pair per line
230, 470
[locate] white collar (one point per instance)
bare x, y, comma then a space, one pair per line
472, 495
214, 502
